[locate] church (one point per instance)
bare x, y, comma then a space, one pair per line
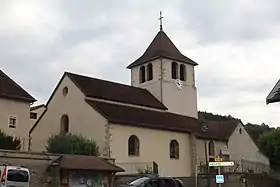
153, 121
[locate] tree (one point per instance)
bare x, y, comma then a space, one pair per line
72, 144
257, 130
145, 170
8, 142
269, 143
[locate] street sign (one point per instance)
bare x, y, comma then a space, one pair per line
221, 164
220, 179
218, 159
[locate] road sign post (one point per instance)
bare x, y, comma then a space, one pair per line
219, 164
219, 177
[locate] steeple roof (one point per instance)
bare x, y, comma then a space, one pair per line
161, 47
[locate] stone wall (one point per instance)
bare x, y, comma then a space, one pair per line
238, 180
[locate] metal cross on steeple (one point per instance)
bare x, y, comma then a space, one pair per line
160, 19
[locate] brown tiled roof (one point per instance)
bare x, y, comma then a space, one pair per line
81, 162
102, 89
219, 130
125, 115
274, 95
10, 89
161, 46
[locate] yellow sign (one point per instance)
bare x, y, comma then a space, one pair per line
218, 159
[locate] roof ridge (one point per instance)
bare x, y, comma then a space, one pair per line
116, 103
103, 80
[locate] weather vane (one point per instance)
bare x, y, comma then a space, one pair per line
160, 19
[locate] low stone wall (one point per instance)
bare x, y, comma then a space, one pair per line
238, 180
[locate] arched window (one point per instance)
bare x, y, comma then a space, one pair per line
240, 131
211, 148
174, 149
133, 146
142, 74
182, 72
150, 71
174, 70
64, 124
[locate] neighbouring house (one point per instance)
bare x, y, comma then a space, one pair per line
35, 113
231, 141
274, 95
151, 123
14, 109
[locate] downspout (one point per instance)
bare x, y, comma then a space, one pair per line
161, 79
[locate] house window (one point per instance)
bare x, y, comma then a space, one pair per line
240, 131
142, 74
12, 122
174, 70
174, 149
133, 146
211, 148
182, 72
33, 115
65, 91
150, 72
64, 124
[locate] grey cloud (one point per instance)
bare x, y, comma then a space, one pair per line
230, 20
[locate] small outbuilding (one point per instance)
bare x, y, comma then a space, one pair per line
85, 171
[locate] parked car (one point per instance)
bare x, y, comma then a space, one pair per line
155, 181
16, 176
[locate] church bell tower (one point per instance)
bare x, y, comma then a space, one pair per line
167, 74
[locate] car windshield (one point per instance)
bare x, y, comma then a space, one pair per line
139, 181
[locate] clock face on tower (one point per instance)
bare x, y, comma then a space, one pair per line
179, 84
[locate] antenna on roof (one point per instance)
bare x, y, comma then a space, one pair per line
160, 20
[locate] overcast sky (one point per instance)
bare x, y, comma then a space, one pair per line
236, 44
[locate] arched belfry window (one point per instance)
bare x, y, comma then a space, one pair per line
182, 72
174, 149
174, 70
142, 74
150, 71
211, 148
64, 124
133, 146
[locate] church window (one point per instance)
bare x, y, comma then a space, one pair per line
65, 91
174, 70
133, 146
142, 74
182, 72
174, 149
64, 124
211, 148
150, 71
240, 131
